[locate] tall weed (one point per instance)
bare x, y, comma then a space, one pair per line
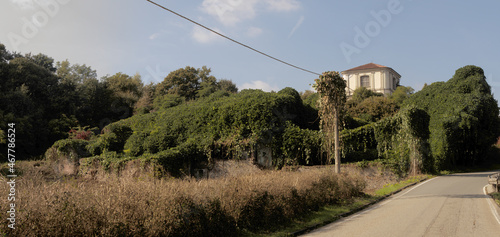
170, 207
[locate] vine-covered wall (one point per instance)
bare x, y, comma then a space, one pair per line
464, 121
444, 125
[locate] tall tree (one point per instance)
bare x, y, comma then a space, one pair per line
125, 91
184, 82
94, 104
74, 74
125, 87
29, 92
331, 87
4, 54
401, 94
42, 60
145, 103
227, 85
191, 83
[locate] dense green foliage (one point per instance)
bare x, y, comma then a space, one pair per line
310, 98
47, 99
402, 141
373, 109
444, 125
191, 83
359, 143
300, 146
401, 94
464, 120
366, 106
191, 118
180, 134
361, 94
28, 100
220, 126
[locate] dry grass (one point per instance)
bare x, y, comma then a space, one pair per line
48, 205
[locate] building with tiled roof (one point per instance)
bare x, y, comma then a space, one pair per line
372, 76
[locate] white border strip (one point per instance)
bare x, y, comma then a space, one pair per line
492, 204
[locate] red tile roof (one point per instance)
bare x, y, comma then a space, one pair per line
366, 66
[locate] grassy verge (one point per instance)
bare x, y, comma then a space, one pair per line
332, 213
318, 218
391, 188
496, 197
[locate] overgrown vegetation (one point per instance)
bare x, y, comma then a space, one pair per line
464, 121
331, 89
191, 119
402, 141
223, 126
496, 197
46, 99
447, 124
128, 207
419, 137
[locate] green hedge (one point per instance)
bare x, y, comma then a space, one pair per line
359, 143
219, 126
69, 147
403, 141
300, 146
464, 120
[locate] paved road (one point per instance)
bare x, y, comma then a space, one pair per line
453, 205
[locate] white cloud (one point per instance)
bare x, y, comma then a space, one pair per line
154, 36
299, 23
230, 12
204, 36
254, 31
283, 5
259, 85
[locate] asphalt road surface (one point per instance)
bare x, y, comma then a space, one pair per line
453, 205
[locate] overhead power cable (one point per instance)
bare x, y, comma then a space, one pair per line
237, 42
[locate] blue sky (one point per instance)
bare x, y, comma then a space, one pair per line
424, 41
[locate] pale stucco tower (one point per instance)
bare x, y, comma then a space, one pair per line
375, 77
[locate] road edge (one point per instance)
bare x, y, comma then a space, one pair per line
493, 206
356, 210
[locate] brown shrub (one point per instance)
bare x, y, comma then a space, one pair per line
170, 207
